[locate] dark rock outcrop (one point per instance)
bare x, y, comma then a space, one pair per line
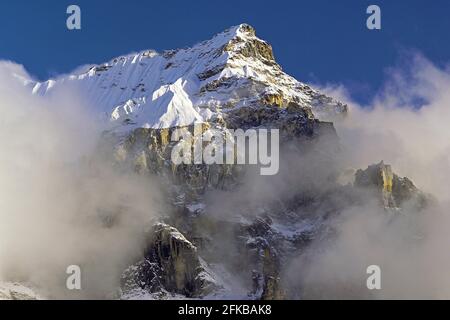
171, 263
394, 191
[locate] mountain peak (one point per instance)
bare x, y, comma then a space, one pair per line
246, 28
241, 42
240, 29
243, 30
233, 69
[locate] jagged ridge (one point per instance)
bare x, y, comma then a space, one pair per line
179, 87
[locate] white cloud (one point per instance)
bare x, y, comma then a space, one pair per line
411, 249
55, 186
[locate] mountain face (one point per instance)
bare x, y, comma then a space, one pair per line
228, 233
234, 69
231, 81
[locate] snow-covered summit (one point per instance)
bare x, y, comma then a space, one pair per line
179, 87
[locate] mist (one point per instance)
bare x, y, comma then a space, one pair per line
406, 125
62, 202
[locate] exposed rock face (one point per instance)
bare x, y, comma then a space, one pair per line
251, 48
395, 191
149, 150
261, 253
171, 263
272, 288
381, 178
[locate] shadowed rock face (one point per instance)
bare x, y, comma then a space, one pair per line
149, 150
251, 48
379, 177
171, 263
272, 287
393, 190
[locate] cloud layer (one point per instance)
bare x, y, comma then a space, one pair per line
58, 194
406, 125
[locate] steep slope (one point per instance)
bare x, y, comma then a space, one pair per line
179, 87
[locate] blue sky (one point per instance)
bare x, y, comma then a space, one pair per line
320, 41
